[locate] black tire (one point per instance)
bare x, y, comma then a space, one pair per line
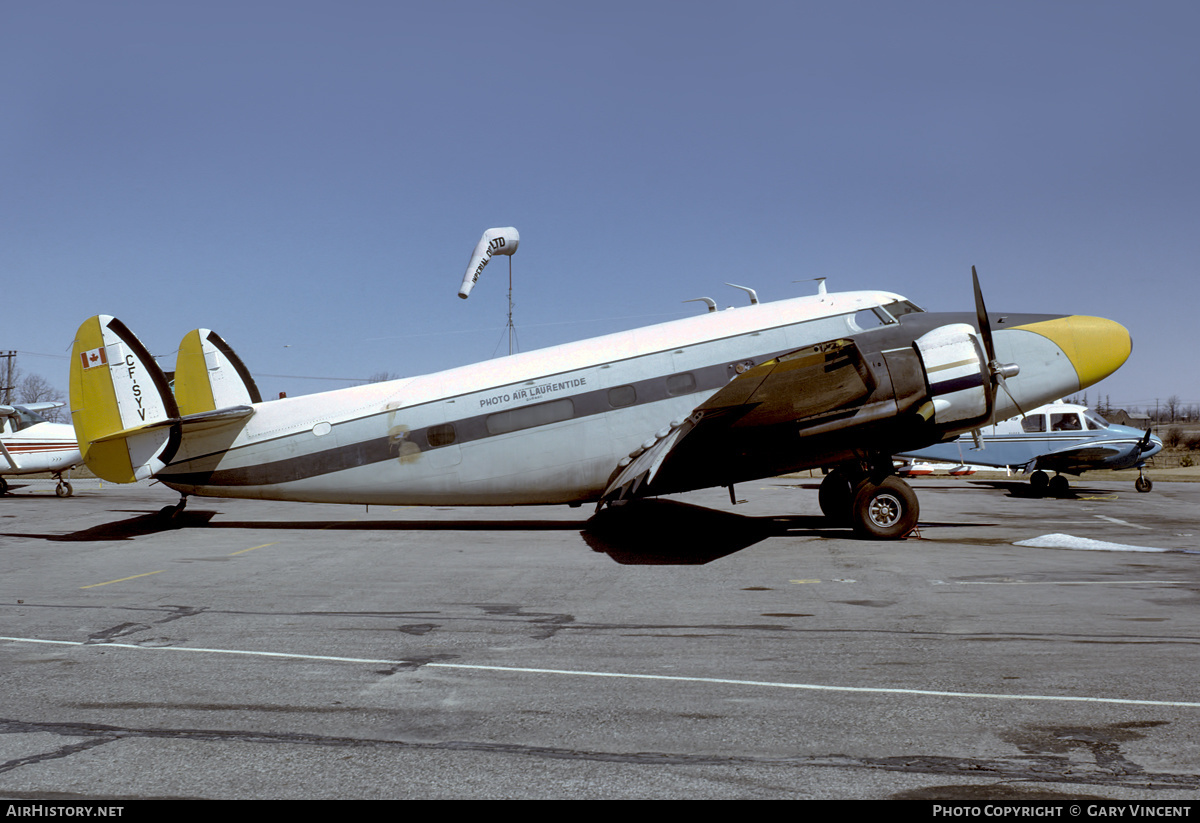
1038, 481
63, 489
835, 497
1059, 486
3, 486
1143, 484
887, 510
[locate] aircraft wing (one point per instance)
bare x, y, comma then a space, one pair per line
811, 384
1088, 455
9, 411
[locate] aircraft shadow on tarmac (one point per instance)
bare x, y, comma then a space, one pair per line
666, 532
1021, 488
645, 532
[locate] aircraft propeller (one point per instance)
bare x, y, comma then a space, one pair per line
999, 371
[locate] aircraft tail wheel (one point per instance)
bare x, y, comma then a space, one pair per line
887, 510
64, 489
1143, 484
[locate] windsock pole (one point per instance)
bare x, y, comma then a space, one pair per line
494, 241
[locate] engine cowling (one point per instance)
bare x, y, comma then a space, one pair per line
957, 377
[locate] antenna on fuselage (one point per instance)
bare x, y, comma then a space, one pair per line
753, 294
820, 284
494, 241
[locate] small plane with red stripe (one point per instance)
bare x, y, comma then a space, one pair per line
31, 444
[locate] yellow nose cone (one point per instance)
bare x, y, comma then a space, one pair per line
1095, 346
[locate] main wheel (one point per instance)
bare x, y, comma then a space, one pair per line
1059, 486
835, 496
3, 486
1143, 484
1039, 480
887, 510
63, 489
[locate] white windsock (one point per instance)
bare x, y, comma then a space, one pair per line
494, 241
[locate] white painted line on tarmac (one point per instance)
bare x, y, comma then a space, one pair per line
1046, 698
1123, 522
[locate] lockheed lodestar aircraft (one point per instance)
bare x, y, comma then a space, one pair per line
840, 381
1060, 437
29, 444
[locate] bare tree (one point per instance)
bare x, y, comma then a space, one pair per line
1172, 406
33, 388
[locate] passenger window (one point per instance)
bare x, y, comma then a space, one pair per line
1034, 423
442, 435
682, 383
621, 396
528, 417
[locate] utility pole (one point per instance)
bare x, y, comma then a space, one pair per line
6, 391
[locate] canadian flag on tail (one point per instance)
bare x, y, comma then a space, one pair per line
94, 357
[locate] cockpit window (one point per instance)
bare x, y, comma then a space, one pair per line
1094, 420
899, 308
23, 419
869, 319
1066, 422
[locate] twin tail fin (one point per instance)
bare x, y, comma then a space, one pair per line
128, 422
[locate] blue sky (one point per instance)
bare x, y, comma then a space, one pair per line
309, 178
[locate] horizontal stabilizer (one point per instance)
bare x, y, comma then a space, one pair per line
188, 423
209, 375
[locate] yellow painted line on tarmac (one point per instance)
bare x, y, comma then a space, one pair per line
252, 548
123, 579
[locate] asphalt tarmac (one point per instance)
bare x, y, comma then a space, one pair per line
683, 648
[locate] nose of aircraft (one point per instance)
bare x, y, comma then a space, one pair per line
1095, 346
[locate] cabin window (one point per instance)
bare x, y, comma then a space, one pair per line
527, 417
442, 435
682, 383
1095, 421
1068, 422
621, 396
1034, 423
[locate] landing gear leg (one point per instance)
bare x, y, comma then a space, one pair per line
1142, 484
173, 512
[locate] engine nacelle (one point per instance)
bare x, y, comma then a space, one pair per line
956, 374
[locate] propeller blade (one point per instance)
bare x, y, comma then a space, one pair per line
981, 318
